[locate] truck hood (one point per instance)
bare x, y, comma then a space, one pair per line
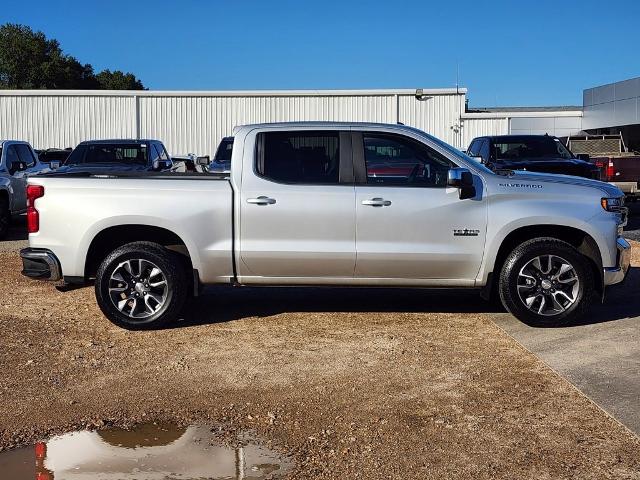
564, 166
608, 189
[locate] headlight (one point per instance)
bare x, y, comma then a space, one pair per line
612, 204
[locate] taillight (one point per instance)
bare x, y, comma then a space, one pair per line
33, 217
41, 450
611, 171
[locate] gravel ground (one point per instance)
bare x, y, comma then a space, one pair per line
350, 383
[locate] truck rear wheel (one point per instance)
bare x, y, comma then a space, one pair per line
5, 217
141, 285
546, 282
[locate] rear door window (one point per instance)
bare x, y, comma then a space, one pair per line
303, 157
12, 156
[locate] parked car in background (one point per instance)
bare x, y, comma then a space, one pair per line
17, 161
534, 153
304, 206
619, 166
55, 155
222, 159
96, 156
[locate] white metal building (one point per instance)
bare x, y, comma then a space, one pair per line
195, 122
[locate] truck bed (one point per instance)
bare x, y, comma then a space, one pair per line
622, 170
197, 208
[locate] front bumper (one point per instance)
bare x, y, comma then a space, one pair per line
617, 274
41, 264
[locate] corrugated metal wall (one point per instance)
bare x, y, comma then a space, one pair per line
63, 121
196, 124
478, 127
195, 121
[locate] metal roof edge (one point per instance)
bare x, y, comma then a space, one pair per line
232, 93
538, 114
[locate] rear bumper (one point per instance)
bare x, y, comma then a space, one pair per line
628, 188
617, 274
41, 264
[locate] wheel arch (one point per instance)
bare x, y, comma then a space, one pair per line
579, 239
110, 238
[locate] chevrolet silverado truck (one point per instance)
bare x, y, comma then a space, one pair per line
321, 204
17, 162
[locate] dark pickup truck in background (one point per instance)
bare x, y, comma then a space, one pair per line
97, 156
534, 153
222, 159
619, 166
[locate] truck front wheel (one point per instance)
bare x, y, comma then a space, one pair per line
546, 282
141, 285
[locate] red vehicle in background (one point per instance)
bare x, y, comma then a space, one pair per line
619, 166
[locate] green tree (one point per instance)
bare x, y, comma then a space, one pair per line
118, 80
28, 60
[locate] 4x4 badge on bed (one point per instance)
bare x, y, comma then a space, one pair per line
465, 232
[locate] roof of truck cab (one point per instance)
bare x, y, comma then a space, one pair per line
324, 124
319, 124
118, 140
516, 137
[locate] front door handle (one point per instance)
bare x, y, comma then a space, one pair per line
377, 202
262, 200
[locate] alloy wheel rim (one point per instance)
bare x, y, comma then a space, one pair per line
138, 288
548, 285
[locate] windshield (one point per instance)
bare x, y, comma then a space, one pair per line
109, 153
526, 148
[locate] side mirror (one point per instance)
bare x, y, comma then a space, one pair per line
54, 164
477, 158
160, 165
462, 179
203, 161
583, 156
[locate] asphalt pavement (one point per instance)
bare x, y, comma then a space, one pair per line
601, 355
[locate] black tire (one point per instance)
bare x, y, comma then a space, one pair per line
137, 299
543, 287
5, 218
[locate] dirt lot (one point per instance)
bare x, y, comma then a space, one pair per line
350, 383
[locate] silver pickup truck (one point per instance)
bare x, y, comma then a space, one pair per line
330, 204
17, 161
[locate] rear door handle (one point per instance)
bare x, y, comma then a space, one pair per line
377, 202
262, 200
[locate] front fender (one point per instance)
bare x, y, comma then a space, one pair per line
495, 241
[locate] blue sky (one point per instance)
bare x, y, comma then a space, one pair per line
507, 52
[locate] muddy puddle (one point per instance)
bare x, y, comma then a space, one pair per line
149, 452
